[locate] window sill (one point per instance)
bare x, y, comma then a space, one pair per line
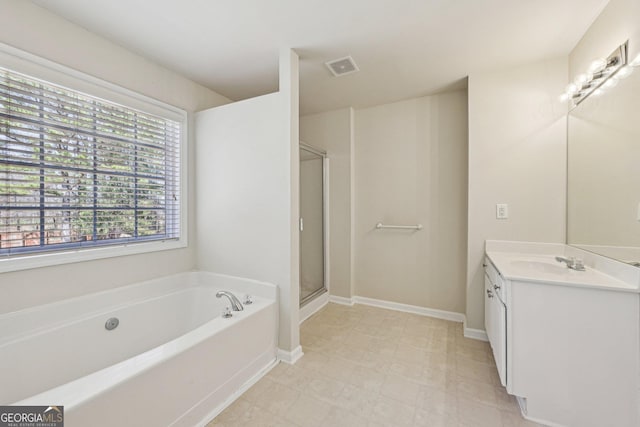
79, 255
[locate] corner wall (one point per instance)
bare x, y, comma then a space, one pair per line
404, 162
37, 31
517, 155
410, 168
247, 195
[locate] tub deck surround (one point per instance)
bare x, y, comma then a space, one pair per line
172, 360
566, 342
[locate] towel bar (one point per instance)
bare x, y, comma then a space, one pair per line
399, 227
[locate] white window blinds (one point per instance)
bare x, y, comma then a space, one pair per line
79, 171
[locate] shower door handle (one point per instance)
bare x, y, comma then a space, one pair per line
301, 224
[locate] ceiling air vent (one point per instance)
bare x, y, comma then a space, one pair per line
342, 66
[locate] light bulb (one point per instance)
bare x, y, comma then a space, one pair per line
597, 65
581, 79
610, 83
572, 88
564, 97
597, 92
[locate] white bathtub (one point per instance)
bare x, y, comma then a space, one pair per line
172, 361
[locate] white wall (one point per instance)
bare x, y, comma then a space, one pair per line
37, 31
410, 168
332, 132
247, 165
242, 175
517, 155
289, 87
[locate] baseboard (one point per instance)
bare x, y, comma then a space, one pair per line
430, 312
290, 357
522, 403
476, 334
312, 307
341, 300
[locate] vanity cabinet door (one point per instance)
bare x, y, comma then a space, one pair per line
495, 319
489, 315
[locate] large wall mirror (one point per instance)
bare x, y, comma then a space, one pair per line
603, 194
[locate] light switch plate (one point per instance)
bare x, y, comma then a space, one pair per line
502, 211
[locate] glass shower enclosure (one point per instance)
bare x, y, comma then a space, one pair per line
312, 223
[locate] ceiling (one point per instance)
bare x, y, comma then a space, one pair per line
404, 48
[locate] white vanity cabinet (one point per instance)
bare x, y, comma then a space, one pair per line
569, 341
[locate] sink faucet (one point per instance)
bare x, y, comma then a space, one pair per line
572, 263
236, 305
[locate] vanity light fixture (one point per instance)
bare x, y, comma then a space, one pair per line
597, 65
600, 76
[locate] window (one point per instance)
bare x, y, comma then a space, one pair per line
77, 171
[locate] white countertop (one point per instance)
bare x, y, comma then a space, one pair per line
528, 264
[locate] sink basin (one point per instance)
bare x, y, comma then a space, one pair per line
541, 267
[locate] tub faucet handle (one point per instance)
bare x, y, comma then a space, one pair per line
227, 313
247, 299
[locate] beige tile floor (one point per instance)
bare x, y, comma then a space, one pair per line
366, 366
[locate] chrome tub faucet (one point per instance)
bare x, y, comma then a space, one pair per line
236, 305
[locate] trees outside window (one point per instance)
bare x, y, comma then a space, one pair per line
76, 170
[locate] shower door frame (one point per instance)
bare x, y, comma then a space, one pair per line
325, 226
